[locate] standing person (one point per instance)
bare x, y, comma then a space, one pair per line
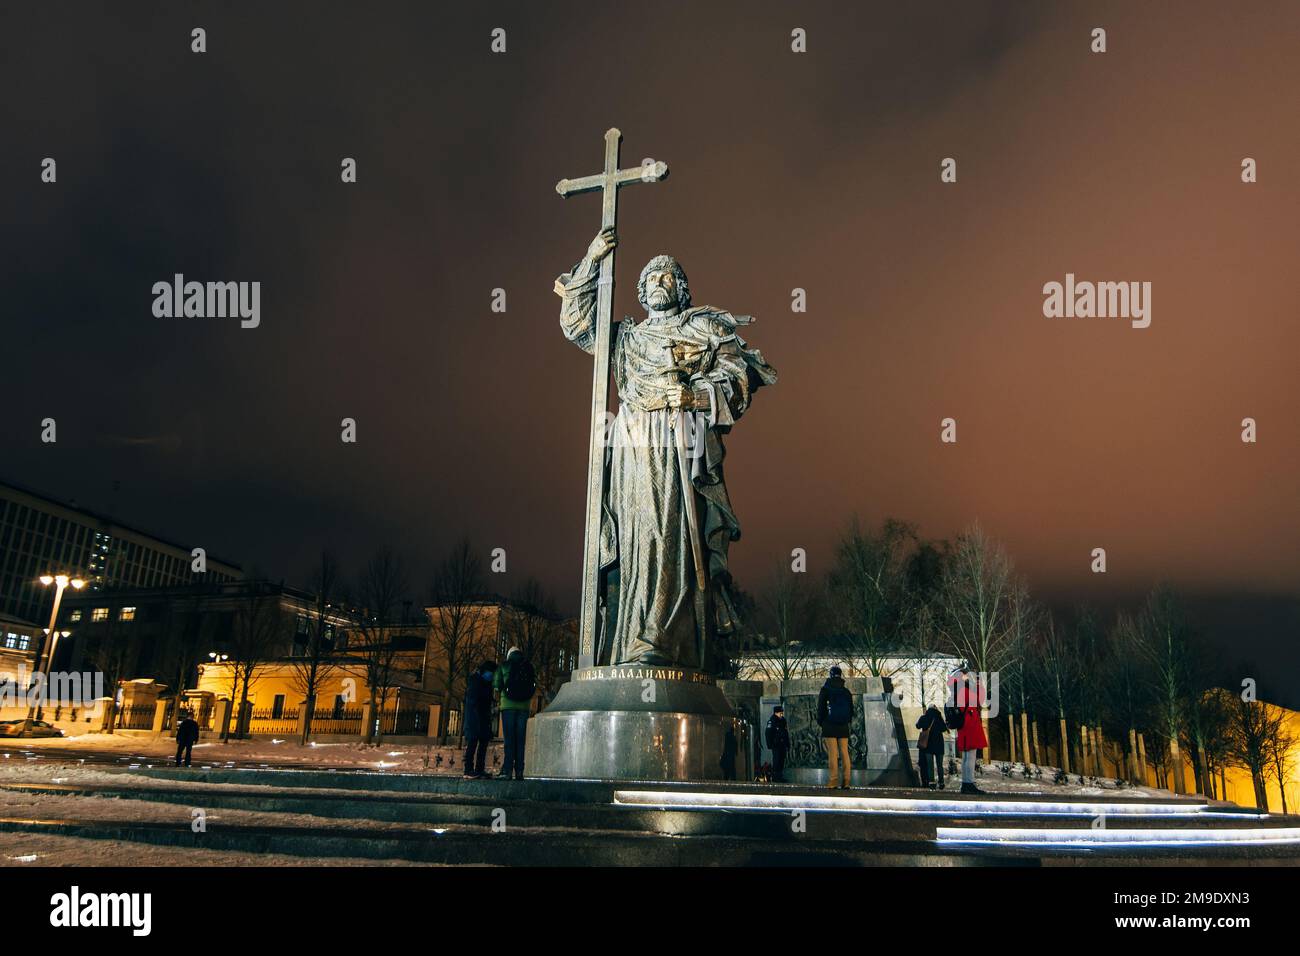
778, 741
929, 747
516, 683
187, 735
835, 714
478, 719
728, 760
964, 717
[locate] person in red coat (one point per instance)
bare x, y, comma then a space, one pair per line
964, 696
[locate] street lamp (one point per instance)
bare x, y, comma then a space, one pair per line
61, 581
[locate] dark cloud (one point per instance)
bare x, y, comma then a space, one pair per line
818, 171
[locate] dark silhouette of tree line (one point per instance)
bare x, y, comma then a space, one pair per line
1137, 697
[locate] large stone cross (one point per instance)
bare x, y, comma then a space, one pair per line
608, 182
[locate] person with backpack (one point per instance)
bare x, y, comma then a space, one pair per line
929, 747
778, 741
478, 719
963, 716
835, 714
516, 683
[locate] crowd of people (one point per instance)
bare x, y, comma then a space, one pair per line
508, 689
835, 715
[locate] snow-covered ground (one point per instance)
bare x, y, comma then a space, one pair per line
128, 752
63, 762
43, 849
993, 780
27, 805
125, 751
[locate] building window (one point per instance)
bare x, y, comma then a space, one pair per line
127, 614
277, 707
11, 640
339, 703
75, 616
99, 614
24, 642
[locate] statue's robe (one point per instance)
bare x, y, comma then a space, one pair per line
649, 614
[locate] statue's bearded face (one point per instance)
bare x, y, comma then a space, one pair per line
661, 289
662, 285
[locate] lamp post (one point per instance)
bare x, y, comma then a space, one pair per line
60, 581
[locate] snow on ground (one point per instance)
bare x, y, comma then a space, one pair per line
126, 752
994, 781
403, 758
45, 849
27, 805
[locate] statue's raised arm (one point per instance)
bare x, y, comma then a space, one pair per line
577, 289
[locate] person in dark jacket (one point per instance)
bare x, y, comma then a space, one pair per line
835, 714
478, 719
187, 735
778, 741
728, 760
930, 747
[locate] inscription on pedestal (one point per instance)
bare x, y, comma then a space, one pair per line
641, 672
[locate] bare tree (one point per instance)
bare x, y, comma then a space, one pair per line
1054, 677
1252, 725
1165, 641
1210, 736
381, 592
975, 601
531, 622
786, 618
1126, 688
457, 623
185, 637
1089, 638
317, 662
920, 636
868, 591
1279, 748
1205, 729
1023, 620
259, 629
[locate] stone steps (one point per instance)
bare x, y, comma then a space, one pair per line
383, 815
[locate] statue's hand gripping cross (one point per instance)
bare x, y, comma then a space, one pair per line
609, 183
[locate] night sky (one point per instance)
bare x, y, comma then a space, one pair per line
818, 171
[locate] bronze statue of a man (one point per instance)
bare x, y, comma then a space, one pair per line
667, 523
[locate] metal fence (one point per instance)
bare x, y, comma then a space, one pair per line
136, 717
345, 720
266, 721
405, 721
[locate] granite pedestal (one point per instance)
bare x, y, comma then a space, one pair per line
637, 722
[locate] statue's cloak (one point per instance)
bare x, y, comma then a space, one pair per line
646, 553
